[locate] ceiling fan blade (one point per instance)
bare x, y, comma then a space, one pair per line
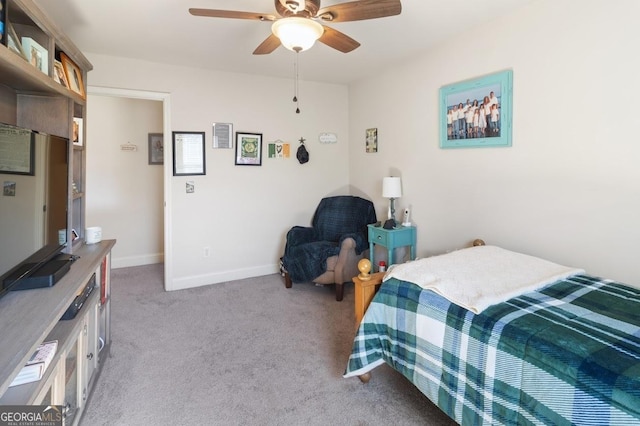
214, 13
269, 45
360, 10
337, 40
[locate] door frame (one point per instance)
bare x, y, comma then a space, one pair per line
165, 98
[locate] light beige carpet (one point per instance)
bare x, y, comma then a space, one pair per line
249, 352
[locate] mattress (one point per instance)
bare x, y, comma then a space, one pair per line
568, 353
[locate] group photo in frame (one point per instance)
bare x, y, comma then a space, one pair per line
248, 149
477, 112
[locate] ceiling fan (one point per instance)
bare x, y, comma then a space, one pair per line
298, 28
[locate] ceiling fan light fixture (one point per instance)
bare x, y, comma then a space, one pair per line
297, 34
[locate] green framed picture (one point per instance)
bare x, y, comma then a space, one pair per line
478, 112
248, 149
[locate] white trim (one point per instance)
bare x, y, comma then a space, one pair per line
165, 98
222, 277
126, 262
127, 93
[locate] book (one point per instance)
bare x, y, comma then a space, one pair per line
35, 368
2, 19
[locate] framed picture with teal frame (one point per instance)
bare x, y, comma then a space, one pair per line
478, 112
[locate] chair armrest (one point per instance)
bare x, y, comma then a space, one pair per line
347, 266
291, 259
300, 235
360, 239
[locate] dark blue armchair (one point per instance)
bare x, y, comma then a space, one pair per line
328, 252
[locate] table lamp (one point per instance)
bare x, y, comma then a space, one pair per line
392, 189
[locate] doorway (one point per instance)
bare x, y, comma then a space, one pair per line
129, 188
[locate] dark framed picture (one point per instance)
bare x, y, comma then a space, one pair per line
248, 149
477, 112
73, 73
188, 153
156, 148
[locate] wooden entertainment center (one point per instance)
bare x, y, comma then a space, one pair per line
32, 97
31, 317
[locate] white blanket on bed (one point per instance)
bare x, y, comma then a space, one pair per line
478, 277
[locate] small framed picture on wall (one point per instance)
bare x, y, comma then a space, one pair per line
77, 131
188, 154
371, 144
248, 149
156, 148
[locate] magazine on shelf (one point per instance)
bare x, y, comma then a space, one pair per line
35, 368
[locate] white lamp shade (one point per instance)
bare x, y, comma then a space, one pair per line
391, 187
297, 34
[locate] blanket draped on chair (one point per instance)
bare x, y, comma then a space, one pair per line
336, 218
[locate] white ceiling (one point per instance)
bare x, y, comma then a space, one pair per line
164, 31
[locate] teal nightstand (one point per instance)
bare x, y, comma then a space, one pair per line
392, 239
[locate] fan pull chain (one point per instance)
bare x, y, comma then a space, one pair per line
295, 84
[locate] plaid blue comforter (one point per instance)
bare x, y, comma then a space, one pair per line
566, 354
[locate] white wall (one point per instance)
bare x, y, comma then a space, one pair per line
567, 190
125, 193
569, 187
241, 212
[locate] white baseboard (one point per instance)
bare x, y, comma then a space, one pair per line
221, 277
125, 262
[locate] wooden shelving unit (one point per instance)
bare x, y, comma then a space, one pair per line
30, 97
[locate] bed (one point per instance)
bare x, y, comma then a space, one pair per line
564, 349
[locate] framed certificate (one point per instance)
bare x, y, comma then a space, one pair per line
188, 153
222, 135
17, 151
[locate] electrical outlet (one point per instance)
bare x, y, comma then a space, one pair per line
206, 252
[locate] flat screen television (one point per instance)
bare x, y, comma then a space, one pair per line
34, 171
